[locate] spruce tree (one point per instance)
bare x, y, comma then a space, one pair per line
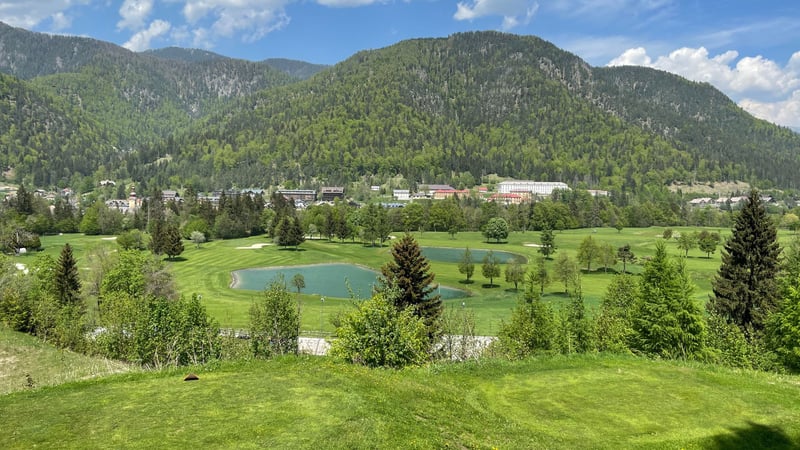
666, 321
173, 243
745, 290
409, 273
67, 281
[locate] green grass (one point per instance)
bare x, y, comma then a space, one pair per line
577, 402
207, 270
26, 362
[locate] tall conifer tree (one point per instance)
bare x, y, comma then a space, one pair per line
666, 322
745, 288
409, 272
67, 281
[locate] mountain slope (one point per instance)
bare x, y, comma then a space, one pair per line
45, 138
478, 103
139, 99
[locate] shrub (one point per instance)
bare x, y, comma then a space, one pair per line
274, 322
377, 334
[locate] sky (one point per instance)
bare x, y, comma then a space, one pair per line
748, 49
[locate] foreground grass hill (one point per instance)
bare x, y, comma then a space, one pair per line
312, 402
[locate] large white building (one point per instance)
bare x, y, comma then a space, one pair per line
541, 188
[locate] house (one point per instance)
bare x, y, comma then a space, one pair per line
442, 194
597, 193
429, 189
701, 202
506, 198
401, 194
170, 196
538, 188
304, 195
331, 193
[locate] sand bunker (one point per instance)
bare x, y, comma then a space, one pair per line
255, 246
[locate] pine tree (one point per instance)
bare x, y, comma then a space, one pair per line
409, 273
666, 321
67, 281
547, 246
745, 288
173, 243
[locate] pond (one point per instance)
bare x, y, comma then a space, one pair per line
323, 279
455, 255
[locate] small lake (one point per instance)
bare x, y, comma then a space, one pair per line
334, 280
455, 255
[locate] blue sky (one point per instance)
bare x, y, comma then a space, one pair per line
750, 50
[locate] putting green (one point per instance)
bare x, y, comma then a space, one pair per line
332, 280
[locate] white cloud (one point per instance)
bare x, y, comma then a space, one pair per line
61, 21
134, 13
141, 40
251, 19
28, 14
766, 89
784, 112
513, 12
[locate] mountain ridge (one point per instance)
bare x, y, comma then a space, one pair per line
429, 109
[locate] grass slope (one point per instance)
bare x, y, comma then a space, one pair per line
27, 362
577, 402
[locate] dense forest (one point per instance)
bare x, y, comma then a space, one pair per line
449, 110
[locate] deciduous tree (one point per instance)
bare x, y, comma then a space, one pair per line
466, 266
491, 267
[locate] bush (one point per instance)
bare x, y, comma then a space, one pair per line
274, 322
377, 334
156, 331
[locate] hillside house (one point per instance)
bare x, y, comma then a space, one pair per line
536, 188
401, 194
331, 193
302, 195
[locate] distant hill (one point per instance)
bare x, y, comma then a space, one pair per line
477, 103
432, 110
297, 69
191, 55
138, 100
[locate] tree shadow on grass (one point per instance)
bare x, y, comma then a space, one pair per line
467, 281
513, 290
754, 435
489, 286
291, 249
176, 259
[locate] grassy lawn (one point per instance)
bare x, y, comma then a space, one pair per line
207, 270
307, 402
26, 362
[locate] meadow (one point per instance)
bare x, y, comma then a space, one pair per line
581, 401
206, 270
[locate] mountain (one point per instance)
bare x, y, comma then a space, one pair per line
140, 99
432, 110
191, 55
457, 108
297, 69
47, 140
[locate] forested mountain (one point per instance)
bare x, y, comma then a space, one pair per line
297, 69
44, 136
453, 109
432, 110
140, 99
